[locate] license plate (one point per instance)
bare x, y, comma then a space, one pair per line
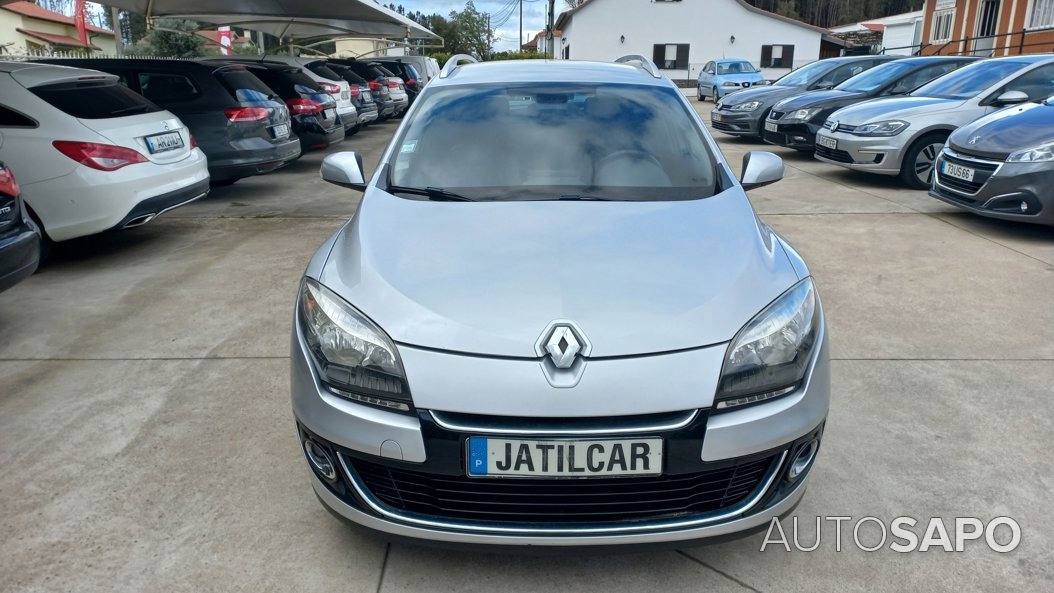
716, 116
771, 127
827, 142
565, 458
162, 142
280, 130
957, 171
345, 95
329, 113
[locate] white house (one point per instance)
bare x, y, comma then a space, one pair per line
681, 36
900, 34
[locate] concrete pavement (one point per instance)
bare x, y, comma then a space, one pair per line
147, 443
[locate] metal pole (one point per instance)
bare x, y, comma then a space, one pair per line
115, 20
551, 47
520, 48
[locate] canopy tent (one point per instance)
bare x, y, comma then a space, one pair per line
288, 19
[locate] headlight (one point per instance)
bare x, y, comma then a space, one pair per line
801, 114
748, 106
729, 83
769, 356
1039, 154
882, 128
353, 356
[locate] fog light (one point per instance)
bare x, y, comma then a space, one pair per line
803, 460
320, 460
1024, 207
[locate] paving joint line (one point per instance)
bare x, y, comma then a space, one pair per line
384, 565
722, 573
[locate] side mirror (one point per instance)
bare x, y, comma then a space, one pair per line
344, 169
823, 86
760, 168
1011, 98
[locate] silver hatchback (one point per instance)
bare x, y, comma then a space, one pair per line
556, 320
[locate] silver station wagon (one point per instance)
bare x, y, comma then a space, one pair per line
556, 320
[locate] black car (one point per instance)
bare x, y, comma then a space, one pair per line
794, 122
412, 80
312, 110
743, 113
1001, 165
238, 122
361, 95
19, 237
377, 81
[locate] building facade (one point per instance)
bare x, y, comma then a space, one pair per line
988, 27
899, 34
681, 36
28, 29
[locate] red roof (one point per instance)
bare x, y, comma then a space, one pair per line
63, 40
34, 11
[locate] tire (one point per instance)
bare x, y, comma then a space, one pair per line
45, 241
916, 170
699, 93
713, 95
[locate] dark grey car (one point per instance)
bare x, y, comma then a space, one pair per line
238, 122
1001, 165
744, 113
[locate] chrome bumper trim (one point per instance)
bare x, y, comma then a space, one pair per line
445, 422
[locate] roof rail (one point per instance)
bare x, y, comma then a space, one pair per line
455, 61
641, 62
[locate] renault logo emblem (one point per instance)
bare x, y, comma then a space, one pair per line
563, 347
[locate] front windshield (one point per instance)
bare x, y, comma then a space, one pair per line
870, 80
968, 82
735, 68
806, 74
546, 141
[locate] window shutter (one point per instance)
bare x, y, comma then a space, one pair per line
788, 56
766, 56
658, 54
682, 56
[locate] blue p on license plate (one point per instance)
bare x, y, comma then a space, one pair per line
564, 458
162, 142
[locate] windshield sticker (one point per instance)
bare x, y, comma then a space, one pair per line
408, 147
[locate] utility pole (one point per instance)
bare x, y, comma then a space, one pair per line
520, 48
550, 46
115, 19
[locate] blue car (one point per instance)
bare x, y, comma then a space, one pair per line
721, 77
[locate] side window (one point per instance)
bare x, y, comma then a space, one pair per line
709, 68
923, 76
165, 87
777, 56
844, 73
670, 56
9, 118
1037, 84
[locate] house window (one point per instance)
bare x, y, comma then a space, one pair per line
942, 26
671, 56
1042, 15
777, 56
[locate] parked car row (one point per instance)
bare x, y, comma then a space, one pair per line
900, 117
108, 144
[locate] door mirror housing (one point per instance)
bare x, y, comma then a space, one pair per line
1011, 98
760, 168
344, 169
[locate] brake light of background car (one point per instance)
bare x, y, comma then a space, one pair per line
246, 114
302, 106
410, 82
331, 88
193, 141
8, 185
104, 157
374, 85
392, 84
355, 92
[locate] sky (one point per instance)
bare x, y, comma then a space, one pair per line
533, 16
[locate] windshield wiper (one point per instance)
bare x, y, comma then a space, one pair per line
583, 198
436, 194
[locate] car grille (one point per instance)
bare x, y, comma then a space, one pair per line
839, 156
720, 125
562, 501
984, 171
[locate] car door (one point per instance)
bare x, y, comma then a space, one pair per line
706, 77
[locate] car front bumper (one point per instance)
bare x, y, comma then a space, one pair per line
365, 442
737, 123
1000, 190
881, 155
797, 135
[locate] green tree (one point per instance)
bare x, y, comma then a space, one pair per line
173, 38
471, 32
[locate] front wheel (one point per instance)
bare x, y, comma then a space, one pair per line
699, 93
713, 94
916, 171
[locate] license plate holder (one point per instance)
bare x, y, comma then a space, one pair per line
280, 130
827, 142
164, 142
771, 127
716, 116
494, 457
958, 171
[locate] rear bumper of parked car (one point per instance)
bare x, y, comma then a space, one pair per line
368, 114
349, 116
314, 137
1000, 189
19, 256
874, 155
752, 446
89, 201
736, 123
252, 156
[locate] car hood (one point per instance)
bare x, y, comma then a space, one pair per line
1009, 130
489, 277
896, 108
828, 98
766, 94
